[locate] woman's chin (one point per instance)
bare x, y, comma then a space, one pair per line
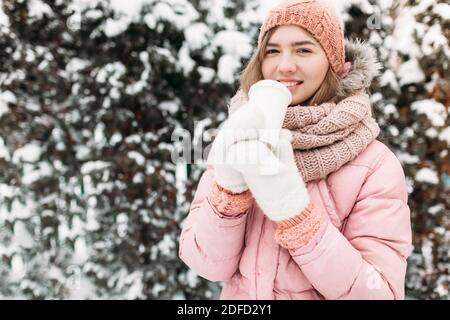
296, 102
299, 100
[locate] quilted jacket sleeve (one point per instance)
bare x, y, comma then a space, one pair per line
211, 241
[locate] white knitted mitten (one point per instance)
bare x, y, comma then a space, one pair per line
281, 195
244, 124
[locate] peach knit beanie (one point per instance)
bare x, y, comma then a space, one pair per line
316, 17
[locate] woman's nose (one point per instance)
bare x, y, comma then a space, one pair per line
287, 64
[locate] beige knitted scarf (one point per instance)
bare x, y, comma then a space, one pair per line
327, 136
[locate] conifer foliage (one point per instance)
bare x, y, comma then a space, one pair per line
105, 113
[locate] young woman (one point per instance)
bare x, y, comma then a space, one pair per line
334, 222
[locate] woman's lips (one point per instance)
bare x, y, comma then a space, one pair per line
292, 88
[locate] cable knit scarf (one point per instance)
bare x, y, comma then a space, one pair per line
326, 136
329, 135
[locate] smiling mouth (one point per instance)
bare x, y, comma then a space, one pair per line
292, 84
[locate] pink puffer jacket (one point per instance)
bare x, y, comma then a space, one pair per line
360, 253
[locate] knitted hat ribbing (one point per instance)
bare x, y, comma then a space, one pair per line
318, 19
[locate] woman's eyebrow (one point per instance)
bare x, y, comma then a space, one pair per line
294, 44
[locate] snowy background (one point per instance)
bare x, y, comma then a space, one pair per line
96, 98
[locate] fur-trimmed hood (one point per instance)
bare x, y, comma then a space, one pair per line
365, 67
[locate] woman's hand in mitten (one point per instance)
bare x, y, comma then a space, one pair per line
281, 195
244, 124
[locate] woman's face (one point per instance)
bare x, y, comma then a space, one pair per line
293, 55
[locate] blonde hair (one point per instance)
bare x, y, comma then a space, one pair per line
252, 73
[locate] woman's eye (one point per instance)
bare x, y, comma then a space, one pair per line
299, 50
